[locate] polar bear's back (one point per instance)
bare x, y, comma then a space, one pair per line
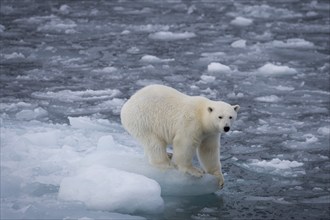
154, 109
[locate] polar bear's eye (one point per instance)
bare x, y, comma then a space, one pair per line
230, 117
220, 117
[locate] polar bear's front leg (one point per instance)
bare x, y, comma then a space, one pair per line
183, 152
209, 157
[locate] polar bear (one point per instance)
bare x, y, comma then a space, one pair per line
158, 116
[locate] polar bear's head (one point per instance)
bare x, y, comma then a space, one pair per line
221, 116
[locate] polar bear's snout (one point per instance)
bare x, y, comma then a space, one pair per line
226, 128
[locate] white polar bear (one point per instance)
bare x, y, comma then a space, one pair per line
158, 116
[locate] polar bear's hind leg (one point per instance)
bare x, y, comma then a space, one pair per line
155, 149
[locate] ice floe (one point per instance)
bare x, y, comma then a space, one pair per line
272, 69
169, 36
241, 22
293, 43
276, 167
218, 68
14, 55
69, 95
154, 59
239, 44
270, 98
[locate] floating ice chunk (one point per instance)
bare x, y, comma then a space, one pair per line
14, 55
14, 106
270, 98
150, 28
58, 25
191, 9
124, 32
293, 43
103, 188
108, 69
239, 44
271, 69
276, 166
310, 138
276, 163
241, 21
207, 79
213, 54
133, 50
154, 59
168, 36
266, 11
284, 88
65, 9
235, 95
2, 28
218, 67
324, 131
28, 114
151, 59
87, 95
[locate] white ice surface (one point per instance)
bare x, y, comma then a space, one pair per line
276, 166
93, 161
293, 43
169, 36
14, 55
69, 95
218, 68
271, 69
239, 44
154, 59
104, 188
241, 21
266, 11
270, 98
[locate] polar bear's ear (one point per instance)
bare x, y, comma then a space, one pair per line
210, 109
236, 108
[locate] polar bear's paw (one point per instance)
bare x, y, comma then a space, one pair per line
220, 179
164, 165
194, 171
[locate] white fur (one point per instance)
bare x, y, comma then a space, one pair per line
158, 116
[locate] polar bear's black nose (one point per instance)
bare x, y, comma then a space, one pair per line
226, 129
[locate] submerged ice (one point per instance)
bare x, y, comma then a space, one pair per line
68, 67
